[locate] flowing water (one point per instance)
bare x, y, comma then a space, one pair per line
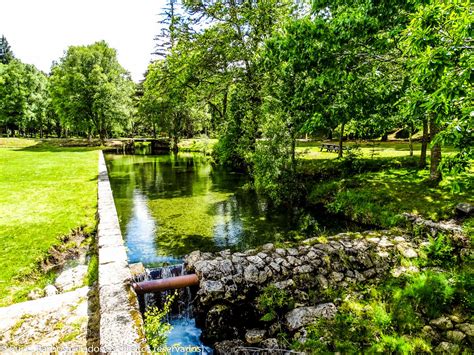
170, 205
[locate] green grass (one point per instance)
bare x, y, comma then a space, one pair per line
391, 149
378, 198
46, 191
203, 145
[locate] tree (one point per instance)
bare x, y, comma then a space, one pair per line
24, 98
234, 31
91, 91
166, 99
6, 54
438, 43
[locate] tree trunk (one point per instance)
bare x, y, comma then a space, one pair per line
410, 140
175, 143
424, 144
329, 136
384, 137
435, 173
102, 135
293, 153
340, 140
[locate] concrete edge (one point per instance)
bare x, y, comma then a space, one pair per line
121, 324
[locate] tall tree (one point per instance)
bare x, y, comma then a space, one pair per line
91, 90
438, 43
23, 98
6, 54
236, 30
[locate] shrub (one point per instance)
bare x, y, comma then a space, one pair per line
430, 293
156, 329
439, 251
273, 301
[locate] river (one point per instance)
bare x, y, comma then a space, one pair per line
170, 205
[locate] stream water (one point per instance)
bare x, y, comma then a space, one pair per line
170, 205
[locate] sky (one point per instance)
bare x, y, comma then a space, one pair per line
39, 31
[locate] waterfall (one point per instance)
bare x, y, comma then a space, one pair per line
180, 317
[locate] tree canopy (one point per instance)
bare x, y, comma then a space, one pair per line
91, 91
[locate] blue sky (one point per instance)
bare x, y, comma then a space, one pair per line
40, 31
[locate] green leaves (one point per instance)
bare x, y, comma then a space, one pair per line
90, 90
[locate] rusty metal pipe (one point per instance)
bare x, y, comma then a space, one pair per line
169, 283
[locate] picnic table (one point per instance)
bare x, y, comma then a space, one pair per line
331, 147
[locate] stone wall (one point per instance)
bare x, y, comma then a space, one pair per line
226, 303
121, 325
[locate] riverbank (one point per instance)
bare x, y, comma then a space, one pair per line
377, 291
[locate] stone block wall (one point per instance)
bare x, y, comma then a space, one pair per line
121, 324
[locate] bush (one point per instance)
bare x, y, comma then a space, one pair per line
440, 251
429, 293
156, 329
274, 301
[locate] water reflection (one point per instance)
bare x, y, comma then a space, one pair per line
170, 205
140, 233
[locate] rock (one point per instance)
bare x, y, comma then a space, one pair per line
402, 270
293, 260
284, 284
275, 266
268, 247
446, 348
302, 316
336, 276
280, 251
226, 267
468, 329
71, 278
35, 293
251, 274
257, 261
323, 282
50, 290
303, 269
262, 277
369, 273
456, 319
255, 336
455, 336
443, 323
292, 251
138, 269
270, 343
373, 240
385, 243
212, 287
407, 251
262, 255
465, 208
229, 347
429, 333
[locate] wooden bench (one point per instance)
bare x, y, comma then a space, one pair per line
331, 147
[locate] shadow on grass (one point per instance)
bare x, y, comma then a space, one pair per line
61, 145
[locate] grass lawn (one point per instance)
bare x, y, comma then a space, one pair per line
378, 198
45, 192
312, 149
